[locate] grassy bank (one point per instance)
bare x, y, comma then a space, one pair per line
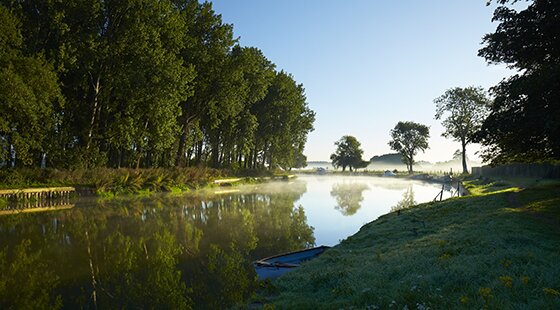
105, 180
113, 182
496, 249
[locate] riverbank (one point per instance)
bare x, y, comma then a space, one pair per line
114, 182
495, 249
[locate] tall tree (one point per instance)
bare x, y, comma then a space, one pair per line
152, 82
463, 111
284, 120
29, 96
145, 84
408, 138
524, 123
208, 45
119, 71
348, 153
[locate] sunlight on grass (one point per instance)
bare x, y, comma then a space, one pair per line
482, 251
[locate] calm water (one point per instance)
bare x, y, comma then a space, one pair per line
182, 252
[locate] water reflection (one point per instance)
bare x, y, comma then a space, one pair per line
181, 252
176, 253
407, 200
348, 197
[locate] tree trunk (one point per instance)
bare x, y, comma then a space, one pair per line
179, 162
215, 153
97, 89
138, 158
121, 155
464, 145
200, 146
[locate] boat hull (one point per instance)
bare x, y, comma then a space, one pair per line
277, 265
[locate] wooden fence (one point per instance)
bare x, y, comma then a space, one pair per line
548, 171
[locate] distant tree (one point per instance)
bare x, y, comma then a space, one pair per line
524, 123
462, 111
408, 138
387, 159
348, 153
361, 164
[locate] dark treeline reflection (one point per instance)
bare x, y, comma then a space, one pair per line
176, 253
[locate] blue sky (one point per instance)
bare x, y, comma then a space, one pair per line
366, 65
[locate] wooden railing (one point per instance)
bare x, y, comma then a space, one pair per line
37, 193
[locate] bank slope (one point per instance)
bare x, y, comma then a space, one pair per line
497, 250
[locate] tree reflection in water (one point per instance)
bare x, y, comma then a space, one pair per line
407, 200
177, 253
348, 197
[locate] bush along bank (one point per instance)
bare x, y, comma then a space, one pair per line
112, 182
496, 249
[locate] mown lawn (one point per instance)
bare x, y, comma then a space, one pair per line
499, 249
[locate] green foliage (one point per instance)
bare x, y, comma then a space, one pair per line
29, 95
113, 181
27, 281
348, 154
408, 138
145, 84
282, 135
159, 252
526, 106
142, 273
463, 110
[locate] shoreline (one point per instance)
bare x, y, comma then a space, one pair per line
492, 249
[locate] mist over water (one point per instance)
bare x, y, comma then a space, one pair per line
192, 251
454, 166
337, 206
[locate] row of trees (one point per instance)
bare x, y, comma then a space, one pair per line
462, 111
522, 121
141, 84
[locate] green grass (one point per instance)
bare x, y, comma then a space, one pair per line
110, 182
498, 249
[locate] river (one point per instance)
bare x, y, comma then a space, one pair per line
180, 252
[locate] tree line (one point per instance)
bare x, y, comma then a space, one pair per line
141, 84
462, 111
519, 121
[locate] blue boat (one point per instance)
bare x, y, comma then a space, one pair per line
277, 265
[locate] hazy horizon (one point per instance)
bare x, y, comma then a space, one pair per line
360, 62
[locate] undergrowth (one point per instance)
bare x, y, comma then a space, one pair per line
112, 181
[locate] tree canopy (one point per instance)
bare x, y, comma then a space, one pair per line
29, 96
462, 111
408, 138
141, 84
524, 123
348, 154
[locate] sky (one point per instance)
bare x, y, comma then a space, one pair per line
368, 64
